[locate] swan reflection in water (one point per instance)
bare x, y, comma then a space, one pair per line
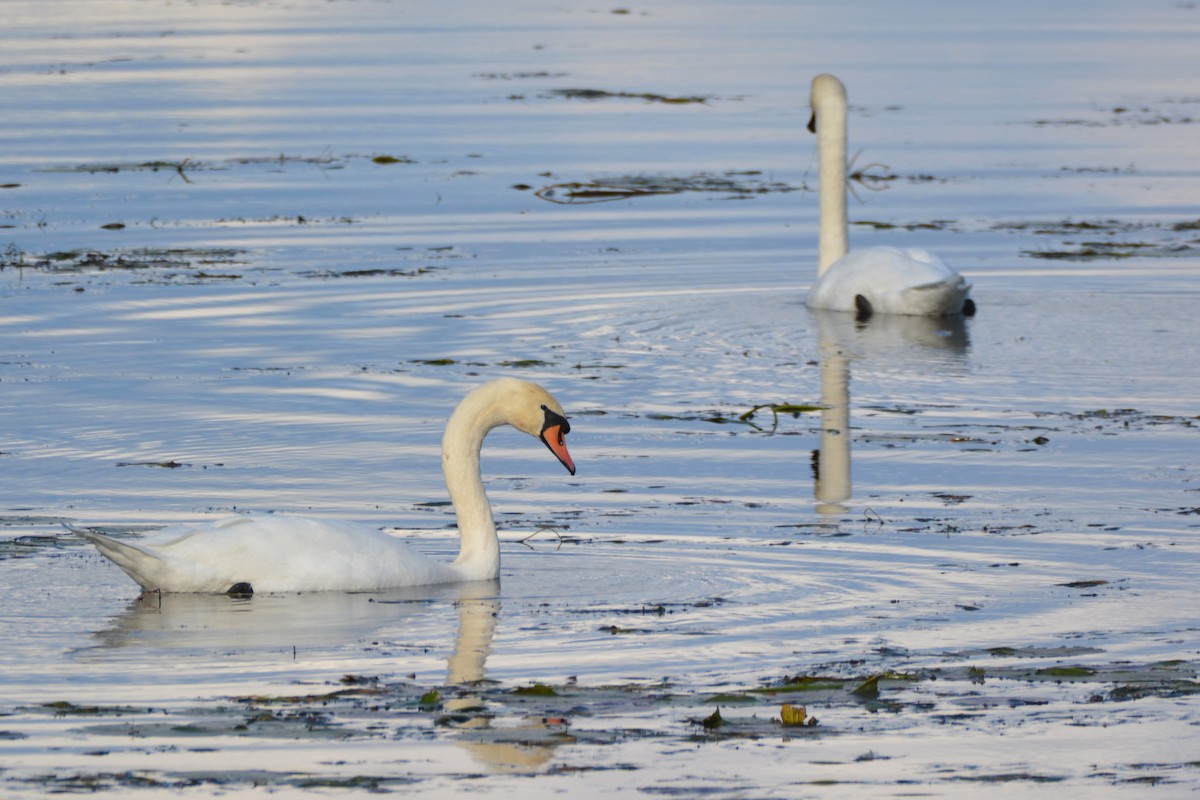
334, 627
905, 342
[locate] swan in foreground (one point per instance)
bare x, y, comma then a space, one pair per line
878, 280
246, 554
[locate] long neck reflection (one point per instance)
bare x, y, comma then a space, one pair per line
478, 608
832, 485
526, 745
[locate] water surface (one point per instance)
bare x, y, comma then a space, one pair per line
218, 297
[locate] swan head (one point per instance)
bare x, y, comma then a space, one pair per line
826, 89
531, 409
552, 426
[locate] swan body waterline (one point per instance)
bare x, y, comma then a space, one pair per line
276, 553
876, 280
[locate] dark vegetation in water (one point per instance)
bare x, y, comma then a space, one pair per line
1082, 240
1097, 239
202, 260
969, 690
974, 436
521, 363
513, 76
376, 272
584, 371
603, 94
1173, 111
1100, 251
734, 184
385, 159
159, 464
185, 166
186, 263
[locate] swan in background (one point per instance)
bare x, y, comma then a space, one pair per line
878, 280
246, 554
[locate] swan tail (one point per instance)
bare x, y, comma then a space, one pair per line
137, 562
936, 298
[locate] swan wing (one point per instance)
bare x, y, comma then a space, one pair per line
272, 554
932, 299
893, 280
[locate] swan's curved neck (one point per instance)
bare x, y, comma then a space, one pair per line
830, 112
479, 550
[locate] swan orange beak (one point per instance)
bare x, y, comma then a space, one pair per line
553, 437
554, 432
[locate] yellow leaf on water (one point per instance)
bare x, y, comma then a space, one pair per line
791, 715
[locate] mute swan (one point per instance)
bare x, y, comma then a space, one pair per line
880, 280
244, 554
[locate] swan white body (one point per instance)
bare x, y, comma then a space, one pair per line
885, 280
294, 554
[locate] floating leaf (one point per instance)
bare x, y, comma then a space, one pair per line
804, 683
615, 630
868, 689
795, 409
730, 697
795, 716
1066, 672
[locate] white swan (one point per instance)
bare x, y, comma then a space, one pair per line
291, 554
879, 280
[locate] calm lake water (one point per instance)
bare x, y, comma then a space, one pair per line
254, 252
